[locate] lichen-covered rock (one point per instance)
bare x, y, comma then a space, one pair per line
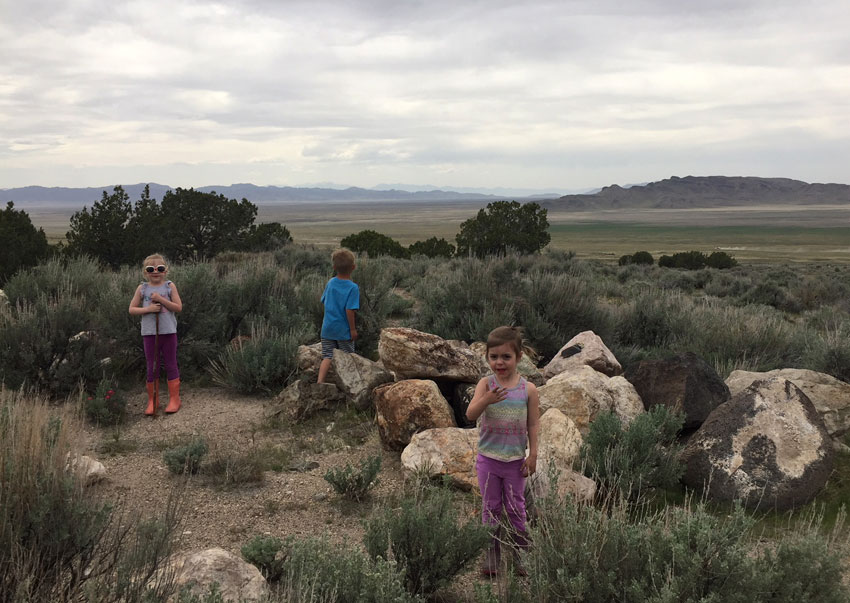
448, 451
412, 354
830, 396
583, 393
308, 358
356, 377
237, 580
586, 348
684, 382
408, 407
767, 446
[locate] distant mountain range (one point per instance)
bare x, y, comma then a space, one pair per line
704, 192
255, 194
673, 193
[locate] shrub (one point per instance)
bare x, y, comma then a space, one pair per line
432, 248
187, 458
603, 555
58, 541
689, 260
635, 459
352, 483
317, 571
424, 538
638, 257
264, 364
106, 406
374, 244
229, 469
264, 552
377, 302
720, 260
646, 322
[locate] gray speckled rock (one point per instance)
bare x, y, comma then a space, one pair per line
238, 580
766, 446
448, 451
586, 348
412, 354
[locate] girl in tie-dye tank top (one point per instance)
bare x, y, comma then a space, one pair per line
506, 407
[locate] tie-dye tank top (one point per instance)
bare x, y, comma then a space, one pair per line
503, 427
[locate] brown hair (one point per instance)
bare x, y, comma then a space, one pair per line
502, 335
343, 261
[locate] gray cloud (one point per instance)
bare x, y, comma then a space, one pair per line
496, 93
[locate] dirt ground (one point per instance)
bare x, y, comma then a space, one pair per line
294, 500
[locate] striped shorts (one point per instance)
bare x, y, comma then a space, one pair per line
329, 345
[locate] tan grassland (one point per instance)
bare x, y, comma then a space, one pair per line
801, 233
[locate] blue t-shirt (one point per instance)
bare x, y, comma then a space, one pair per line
340, 295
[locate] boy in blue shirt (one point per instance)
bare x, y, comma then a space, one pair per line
340, 298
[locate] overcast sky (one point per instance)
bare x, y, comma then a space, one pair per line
545, 95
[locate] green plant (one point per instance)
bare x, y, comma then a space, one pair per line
424, 537
59, 541
23, 245
228, 469
432, 248
187, 458
637, 458
504, 226
352, 483
106, 406
265, 363
320, 572
265, 552
374, 244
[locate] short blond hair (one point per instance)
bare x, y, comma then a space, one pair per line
343, 261
153, 256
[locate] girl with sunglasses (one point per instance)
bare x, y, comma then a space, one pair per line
157, 301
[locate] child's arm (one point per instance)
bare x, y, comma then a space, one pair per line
483, 398
530, 464
175, 304
136, 308
350, 315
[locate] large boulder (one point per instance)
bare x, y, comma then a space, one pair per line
830, 396
583, 393
767, 446
356, 377
237, 580
586, 348
408, 407
525, 367
446, 451
412, 354
684, 383
303, 399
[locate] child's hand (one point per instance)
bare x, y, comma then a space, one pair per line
156, 297
353, 334
154, 307
495, 395
529, 466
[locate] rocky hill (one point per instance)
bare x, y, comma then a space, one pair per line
705, 191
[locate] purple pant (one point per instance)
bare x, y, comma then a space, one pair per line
167, 356
502, 488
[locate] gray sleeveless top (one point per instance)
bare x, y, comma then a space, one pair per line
167, 319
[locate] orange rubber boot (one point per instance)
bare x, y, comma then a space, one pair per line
152, 399
173, 396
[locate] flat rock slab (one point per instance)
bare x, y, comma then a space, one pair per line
412, 354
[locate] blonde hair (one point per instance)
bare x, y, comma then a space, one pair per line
502, 335
343, 261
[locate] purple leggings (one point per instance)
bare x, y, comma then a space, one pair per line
502, 487
167, 356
